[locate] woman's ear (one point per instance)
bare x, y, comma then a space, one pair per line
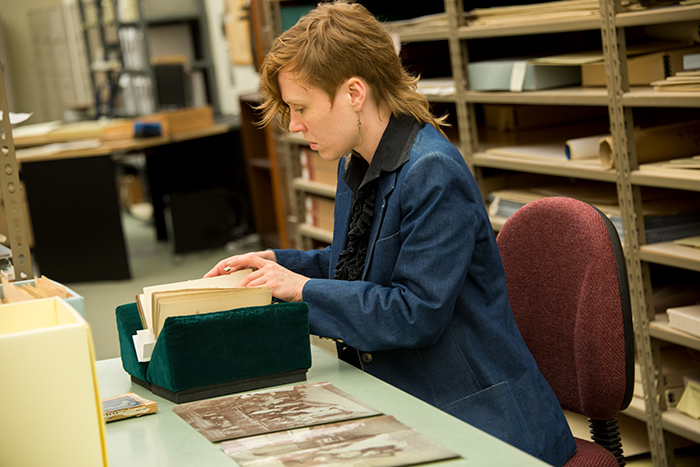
357, 92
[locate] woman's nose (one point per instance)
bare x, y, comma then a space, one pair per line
295, 126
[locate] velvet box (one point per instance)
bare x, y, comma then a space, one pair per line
213, 354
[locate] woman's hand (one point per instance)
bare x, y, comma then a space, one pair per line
283, 283
224, 267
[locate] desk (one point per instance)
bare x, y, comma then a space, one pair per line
74, 203
165, 440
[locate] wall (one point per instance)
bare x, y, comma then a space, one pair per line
22, 59
232, 80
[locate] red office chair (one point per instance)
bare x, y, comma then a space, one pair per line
567, 285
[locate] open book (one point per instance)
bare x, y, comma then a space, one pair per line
206, 295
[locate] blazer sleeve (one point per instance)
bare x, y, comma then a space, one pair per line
312, 263
419, 263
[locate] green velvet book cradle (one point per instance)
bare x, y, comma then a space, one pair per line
213, 354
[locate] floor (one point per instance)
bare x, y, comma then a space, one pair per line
154, 262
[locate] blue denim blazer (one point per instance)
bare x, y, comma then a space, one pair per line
432, 310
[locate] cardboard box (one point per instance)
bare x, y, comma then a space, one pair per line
513, 118
183, 120
172, 123
76, 301
49, 398
641, 69
519, 75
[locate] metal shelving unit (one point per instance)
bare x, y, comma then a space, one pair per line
620, 100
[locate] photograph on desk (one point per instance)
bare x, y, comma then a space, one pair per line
284, 408
380, 441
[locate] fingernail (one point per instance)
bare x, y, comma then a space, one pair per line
227, 269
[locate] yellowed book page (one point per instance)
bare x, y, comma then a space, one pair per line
226, 281
198, 302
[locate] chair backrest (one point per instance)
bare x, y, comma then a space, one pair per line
567, 285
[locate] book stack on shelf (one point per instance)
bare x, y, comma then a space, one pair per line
687, 79
667, 216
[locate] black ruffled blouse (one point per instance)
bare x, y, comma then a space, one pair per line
392, 152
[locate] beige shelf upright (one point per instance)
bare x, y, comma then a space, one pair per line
12, 196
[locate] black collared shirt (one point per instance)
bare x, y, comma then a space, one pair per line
392, 152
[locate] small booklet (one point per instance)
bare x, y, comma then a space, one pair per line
272, 410
206, 295
380, 441
126, 406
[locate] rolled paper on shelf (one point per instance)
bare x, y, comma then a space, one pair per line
658, 143
583, 148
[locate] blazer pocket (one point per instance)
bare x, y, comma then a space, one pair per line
384, 254
495, 411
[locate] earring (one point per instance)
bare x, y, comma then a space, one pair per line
359, 126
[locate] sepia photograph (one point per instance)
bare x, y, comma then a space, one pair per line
273, 410
380, 441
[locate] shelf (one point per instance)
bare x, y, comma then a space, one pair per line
645, 96
315, 188
670, 254
636, 409
260, 163
660, 329
548, 27
562, 96
679, 179
556, 167
672, 420
658, 16
316, 233
424, 36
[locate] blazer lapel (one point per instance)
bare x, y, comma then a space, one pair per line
387, 183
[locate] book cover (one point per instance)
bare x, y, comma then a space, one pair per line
127, 406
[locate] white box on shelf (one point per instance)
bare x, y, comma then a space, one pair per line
520, 75
685, 318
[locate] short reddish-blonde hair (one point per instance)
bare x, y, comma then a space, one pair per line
334, 42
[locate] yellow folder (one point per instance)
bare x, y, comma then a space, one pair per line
49, 399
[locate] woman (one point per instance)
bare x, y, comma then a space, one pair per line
413, 283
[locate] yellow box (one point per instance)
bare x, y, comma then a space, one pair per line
49, 399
